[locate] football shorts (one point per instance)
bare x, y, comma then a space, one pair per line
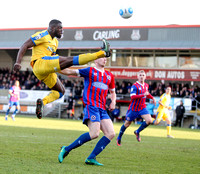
162, 115
45, 68
94, 114
11, 103
132, 115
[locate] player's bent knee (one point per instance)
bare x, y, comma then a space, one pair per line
94, 135
156, 122
111, 135
148, 121
127, 124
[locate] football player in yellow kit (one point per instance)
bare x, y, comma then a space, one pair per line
163, 110
45, 62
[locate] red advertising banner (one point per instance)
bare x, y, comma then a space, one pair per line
158, 74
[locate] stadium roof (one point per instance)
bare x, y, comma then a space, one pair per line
130, 37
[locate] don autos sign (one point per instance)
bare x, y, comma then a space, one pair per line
158, 74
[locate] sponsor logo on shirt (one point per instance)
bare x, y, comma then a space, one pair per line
38, 37
100, 85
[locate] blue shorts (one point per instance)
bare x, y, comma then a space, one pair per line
132, 115
10, 104
94, 114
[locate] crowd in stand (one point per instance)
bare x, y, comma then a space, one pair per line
158, 88
29, 81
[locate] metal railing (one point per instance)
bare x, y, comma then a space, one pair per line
194, 114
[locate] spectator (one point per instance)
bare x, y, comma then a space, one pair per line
117, 88
124, 88
116, 112
180, 110
108, 102
78, 92
150, 86
194, 101
150, 108
163, 85
68, 83
177, 92
187, 94
129, 87
70, 106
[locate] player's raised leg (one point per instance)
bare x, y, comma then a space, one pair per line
82, 59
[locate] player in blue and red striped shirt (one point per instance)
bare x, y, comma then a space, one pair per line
97, 82
14, 93
137, 107
96, 85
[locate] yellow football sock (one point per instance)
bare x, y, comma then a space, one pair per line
85, 58
168, 129
52, 96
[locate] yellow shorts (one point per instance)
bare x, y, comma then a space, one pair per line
162, 115
45, 68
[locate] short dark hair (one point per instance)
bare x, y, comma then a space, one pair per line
54, 22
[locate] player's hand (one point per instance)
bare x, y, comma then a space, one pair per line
146, 93
154, 101
17, 66
169, 107
112, 106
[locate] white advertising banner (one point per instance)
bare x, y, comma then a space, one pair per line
33, 95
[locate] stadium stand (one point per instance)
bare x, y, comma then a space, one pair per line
170, 55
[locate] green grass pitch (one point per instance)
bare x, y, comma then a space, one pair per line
30, 145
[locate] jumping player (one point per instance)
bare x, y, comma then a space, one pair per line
97, 82
163, 111
137, 107
46, 62
14, 93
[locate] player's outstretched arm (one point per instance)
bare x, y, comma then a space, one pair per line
154, 101
151, 97
160, 103
28, 44
68, 71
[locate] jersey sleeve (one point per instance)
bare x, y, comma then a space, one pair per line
112, 83
11, 90
161, 97
133, 90
84, 72
38, 37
